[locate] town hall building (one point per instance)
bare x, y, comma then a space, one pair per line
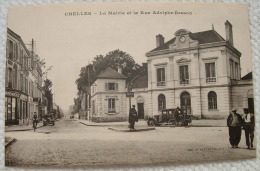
196, 71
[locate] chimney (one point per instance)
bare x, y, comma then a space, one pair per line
145, 66
119, 69
159, 40
229, 33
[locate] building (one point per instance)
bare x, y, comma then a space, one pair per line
23, 81
196, 71
108, 98
199, 72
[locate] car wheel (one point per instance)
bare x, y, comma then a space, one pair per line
172, 122
151, 122
185, 123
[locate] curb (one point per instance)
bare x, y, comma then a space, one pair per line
26, 129
127, 130
94, 125
10, 142
109, 125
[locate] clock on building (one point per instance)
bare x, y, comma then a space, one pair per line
182, 39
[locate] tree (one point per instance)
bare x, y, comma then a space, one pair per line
48, 93
113, 59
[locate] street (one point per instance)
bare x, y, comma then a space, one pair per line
72, 144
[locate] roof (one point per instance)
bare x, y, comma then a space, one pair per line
248, 76
141, 81
109, 73
209, 36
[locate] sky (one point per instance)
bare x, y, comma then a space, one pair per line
70, 42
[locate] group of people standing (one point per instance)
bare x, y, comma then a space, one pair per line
236, 123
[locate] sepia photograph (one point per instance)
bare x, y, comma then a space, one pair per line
128, 84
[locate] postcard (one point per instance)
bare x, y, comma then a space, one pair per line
128, 85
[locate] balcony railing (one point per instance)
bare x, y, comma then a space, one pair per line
111, 110
161, 83
183, 82
211, 79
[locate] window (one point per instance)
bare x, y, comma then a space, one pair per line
161, 102
212, 99
111, 105
161, 77
184, 74
236, 71
231, 69
10, 77
210, 72
15, 51
111, 86
11, 50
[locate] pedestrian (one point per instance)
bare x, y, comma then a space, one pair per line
249, 126
234, 123
35, 120
132, 118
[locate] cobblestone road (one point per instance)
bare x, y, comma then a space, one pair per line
71, 144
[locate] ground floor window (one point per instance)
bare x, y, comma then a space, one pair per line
10, 110
111, 105
212, 100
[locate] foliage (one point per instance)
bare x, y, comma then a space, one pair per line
113, 59
48, 93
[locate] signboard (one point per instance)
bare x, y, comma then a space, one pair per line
129, 94
12, 94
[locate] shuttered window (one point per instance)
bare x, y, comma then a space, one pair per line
111, 86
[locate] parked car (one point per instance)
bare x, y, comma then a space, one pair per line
175, 116
48, 120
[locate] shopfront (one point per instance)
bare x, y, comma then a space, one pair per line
16, 112
11, 109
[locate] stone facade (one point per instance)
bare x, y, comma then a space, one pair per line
108, 98
199, 72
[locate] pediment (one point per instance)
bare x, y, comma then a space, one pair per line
183, 60
181, 32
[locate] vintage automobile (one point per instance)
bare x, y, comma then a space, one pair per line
172, 117
48, 119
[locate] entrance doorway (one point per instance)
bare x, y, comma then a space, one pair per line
140, 108
250, 98
186, 102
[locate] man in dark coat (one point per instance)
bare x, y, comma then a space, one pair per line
249, 126
234, 123
132, 117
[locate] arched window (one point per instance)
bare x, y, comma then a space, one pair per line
212, 99
161, 102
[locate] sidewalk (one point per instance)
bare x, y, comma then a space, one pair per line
143, 123
8, 141
13, 128
120, 126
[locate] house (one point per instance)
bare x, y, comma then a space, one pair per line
108, 98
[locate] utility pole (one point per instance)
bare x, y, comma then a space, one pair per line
88, 95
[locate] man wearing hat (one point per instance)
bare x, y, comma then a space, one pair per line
234, 123
132, 117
